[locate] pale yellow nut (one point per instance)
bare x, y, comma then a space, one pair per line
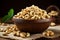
26, 17
47, 34
53, 13
17, 17
8, 31
18, 14
44, 14
52, 33
23, 34
56, 14
13, 26
43, 17
17, 33
40, 14
1, 29
23, 17
27, 8
31, 13
47, 16
48, 31
36, 13
13, 29
24, 12
32, 18
39, 17
36, 16
16, 29
28, 35
44, 33
14, 17
33, 6
52, 24
14, 32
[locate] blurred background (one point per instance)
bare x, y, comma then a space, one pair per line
17, 5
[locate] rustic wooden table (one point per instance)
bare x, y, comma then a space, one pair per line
3, 39
36, 39
57, 38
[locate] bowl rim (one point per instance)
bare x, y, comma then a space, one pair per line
40, 20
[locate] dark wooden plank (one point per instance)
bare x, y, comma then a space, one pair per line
58, 38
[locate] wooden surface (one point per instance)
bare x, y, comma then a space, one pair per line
57, 38
4, 39
49, 38
36, 39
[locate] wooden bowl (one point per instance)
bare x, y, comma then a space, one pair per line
32, 26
